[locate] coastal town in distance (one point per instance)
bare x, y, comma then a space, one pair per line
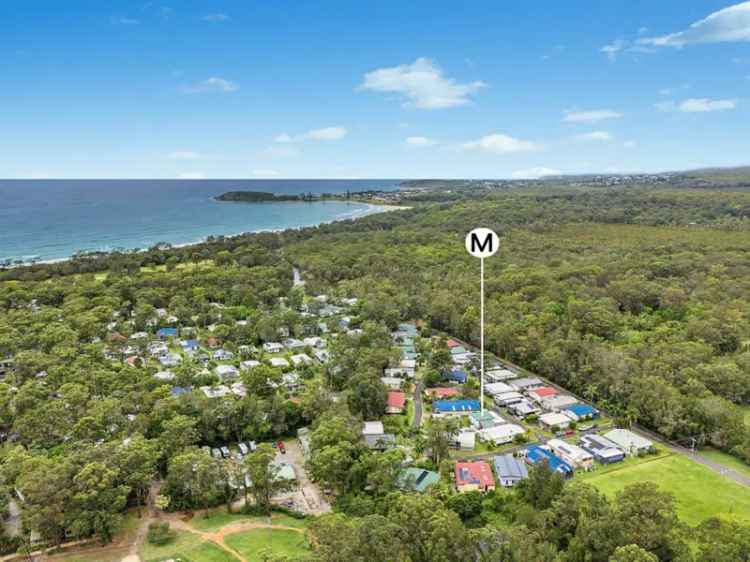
375, 282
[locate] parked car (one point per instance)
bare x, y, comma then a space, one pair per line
216, 453
225, 452
281, 447
243, 448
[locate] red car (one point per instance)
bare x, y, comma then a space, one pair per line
281, 447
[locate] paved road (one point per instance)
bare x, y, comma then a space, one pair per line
417, 420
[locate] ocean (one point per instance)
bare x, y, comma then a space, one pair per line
54, 219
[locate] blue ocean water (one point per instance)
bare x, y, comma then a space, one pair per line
53, 219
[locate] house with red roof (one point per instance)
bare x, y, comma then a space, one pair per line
539, 394
474, 476
453, 343
396, 402
441, 392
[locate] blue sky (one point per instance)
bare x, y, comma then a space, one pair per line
253, 89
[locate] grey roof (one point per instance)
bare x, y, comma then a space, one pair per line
508, 466
383, 441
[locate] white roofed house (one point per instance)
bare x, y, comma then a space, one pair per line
501, 434
498, 374
279, 362
408, 367
219, 391
249, 365
322, 355
226, 372
508, 398
273, 347
315, 342
527, 383
394, 383
556, 403
553, 420
575, 456
164, 376
170, 359
293, 344
495, 388
523, 408
632, 443
301, 359
223, 355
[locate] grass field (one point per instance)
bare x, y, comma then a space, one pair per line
219, 519
276, 541
188, 547
727, 460
700, 492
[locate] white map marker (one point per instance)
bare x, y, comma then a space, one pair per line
482, 243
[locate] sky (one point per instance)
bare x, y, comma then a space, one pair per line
386, 89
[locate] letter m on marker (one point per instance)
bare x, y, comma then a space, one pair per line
481, 245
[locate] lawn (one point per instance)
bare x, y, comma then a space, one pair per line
188, 547
700, 492
276, 541
219, 519
727, 460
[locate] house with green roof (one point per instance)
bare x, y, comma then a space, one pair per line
417, 479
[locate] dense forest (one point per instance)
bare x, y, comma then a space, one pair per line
636, 298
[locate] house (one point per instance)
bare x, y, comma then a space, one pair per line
451, 343
495, 388
372, 428
407, 329
464, 440
536, 454
301, 359
165, 333
572, 454
523, 408
510, 470
542, 392
158, 348
249, 365
554, 421
408, 367
603, 449
498, 374
223, 355
279, 362
441, 392
557, 403
380, 442
631, 443
284, 471
528, 383
508, 398
170, 360
189, 345
164, 376
458, 350
459, 377
416, 479
483, 420
461, 359
293, 344
474, 476
501, 434
180, 390
314, 342
291, 381
321, 355
239, 390
227, 372
581, 412
394, 383
219, 391
457, 407
395, 403
273, 347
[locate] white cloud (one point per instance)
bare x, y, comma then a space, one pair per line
595, 136
190, 155
422, 84
192, 176
614, 48
590, 116
420, 141
216, 18
213, 84
500, 144
731, 24
696, 105
535, 173
324, 134
265, 173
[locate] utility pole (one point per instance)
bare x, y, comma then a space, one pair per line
481, 243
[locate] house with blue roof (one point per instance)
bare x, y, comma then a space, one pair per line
189, 345
164, 333
536, 454
582, 411
455, 376
180, 390
460, 407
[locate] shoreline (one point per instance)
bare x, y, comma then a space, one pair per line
371, 209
